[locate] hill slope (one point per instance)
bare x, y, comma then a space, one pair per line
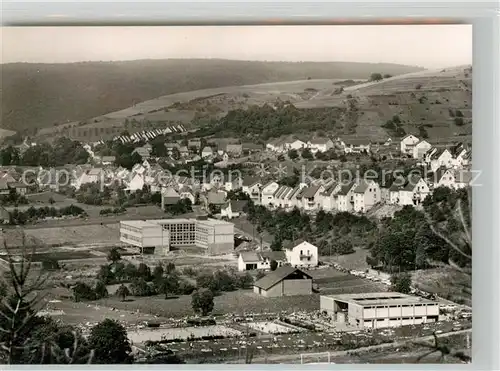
37, 96
433, 104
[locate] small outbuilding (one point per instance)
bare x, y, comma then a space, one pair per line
284, 281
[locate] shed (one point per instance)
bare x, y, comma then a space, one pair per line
284, 281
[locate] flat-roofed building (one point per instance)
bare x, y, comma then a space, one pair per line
145, 235
378, 310
216, 236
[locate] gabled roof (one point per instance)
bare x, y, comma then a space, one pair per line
439, 152
237, 205
273, 255
440, 173
344, 189
330, 189
276, 276
250, 256
250, 181
407, 136
356, 141
310, 192
216, 198
320, 141
207, 149
361, 187
412, 182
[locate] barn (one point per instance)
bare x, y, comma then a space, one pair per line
284, 281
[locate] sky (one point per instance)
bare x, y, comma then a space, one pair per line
429, 46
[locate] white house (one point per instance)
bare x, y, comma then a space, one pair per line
355, 145
267, 194
420, 149
408, 143
414, 191
252, 187
393, 191
366, 195
345, 197
233, 209
440, 158
460, 155
443, 177
90, 176
276, 145
302, 254
311, 198
251, 260
136, 183
207, 152
296, 144
320, 145
283, 197
329, 196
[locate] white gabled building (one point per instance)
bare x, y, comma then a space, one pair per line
329, 196
252, 187
310, 198
420, 149
443, 177
267, 194
260, 260
408, 143
366, 195
320, 145
345, 197
414, 191
437, 158
302, 254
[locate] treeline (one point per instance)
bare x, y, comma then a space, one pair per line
33, 214
63, 151
411, 240
332, 233
93, 194
266, 122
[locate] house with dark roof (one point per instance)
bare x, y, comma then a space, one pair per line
249, 148
252, 187
169, 196
329, 196
414, 191
310, 198
233, 208
345, 196
438, 157
366, 195
284, 281
251, 260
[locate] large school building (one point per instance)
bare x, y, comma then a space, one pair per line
216, 236
378, 310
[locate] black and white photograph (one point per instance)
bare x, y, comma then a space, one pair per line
236, 194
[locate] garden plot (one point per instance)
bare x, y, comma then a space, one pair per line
270, 327
186, 333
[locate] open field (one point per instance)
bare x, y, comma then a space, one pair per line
354, 261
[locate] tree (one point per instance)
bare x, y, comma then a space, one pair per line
169, 285
130, 271
307, 154
158, 273
170, 268
376, 76
114, 255
111, 344
139, 287
82, 291
401, 283
105, 274
274, 265
122, 292
293, 154
100, 290
202, 301
143, 271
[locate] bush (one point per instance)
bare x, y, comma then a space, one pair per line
202, 301
82, 291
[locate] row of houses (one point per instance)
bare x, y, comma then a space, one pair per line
356, 196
